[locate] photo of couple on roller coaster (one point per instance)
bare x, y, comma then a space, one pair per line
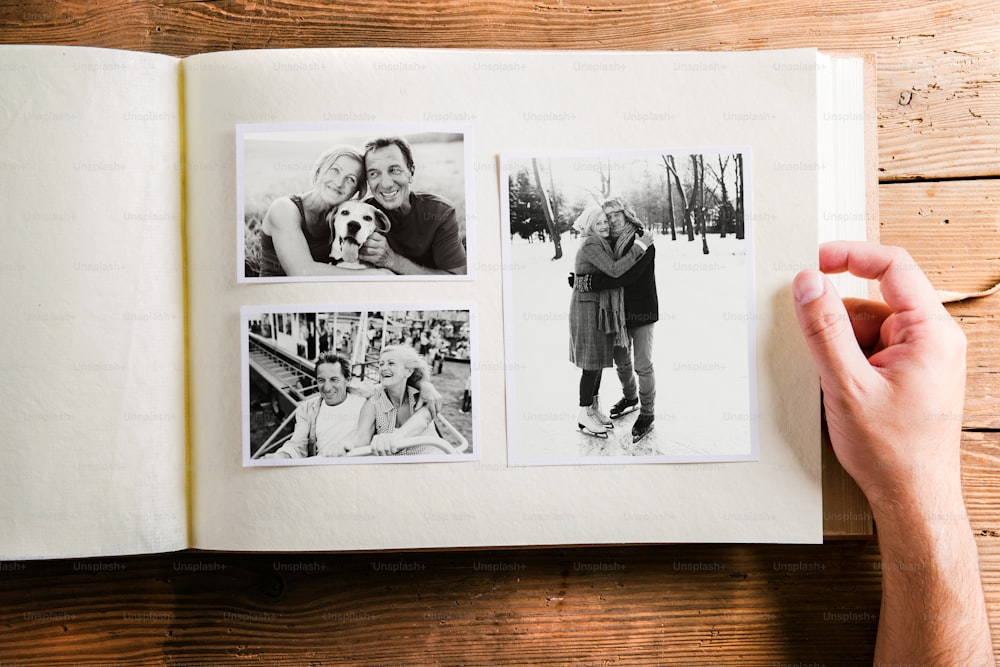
357, 386
373, 203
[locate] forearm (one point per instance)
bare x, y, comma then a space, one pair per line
296, 446
933, 609
609, 266
416, 424
404, 266
600, 281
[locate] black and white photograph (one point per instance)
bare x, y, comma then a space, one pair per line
326, 385
628, 305
352, 203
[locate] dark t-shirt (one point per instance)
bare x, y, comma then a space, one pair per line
428, 235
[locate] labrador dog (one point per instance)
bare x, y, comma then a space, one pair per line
351, 223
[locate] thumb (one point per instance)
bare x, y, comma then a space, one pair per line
827, 329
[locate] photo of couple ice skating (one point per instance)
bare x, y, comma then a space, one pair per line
640, 261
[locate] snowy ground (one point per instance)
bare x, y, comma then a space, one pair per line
700, 359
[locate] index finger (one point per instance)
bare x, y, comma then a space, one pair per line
903, 285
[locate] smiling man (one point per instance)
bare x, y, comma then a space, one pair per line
324, 421
424, 238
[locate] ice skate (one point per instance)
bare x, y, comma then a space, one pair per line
599, 414
624, 406
588, 423
642, 426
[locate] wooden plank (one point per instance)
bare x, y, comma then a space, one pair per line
980, 480
952, 229
938, 67
654, 605
636, 606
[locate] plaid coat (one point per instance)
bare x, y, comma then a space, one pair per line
590, 348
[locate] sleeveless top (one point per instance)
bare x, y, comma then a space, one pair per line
385, 418
319, 245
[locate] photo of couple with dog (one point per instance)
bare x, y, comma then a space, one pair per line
359, 216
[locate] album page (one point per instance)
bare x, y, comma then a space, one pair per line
93, 405
258, 122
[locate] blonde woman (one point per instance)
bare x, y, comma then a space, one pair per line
395, 409
295, 235
597, 319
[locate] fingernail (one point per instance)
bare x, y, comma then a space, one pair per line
808, 286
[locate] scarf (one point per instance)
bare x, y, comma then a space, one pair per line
611, 310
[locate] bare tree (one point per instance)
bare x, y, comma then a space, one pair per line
740, 229
605, 179
668, 161
698, 197
547, 210
725, 209
670, 210
555, 200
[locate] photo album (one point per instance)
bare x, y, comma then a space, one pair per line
384, 299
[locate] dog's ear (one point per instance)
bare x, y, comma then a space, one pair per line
382, 223
330, 217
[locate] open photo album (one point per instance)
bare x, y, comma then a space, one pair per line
372, 299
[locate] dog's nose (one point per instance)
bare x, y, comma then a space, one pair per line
353, 227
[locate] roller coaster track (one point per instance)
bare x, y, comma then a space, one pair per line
286, 373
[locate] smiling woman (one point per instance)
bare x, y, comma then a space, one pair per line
395, 410
295, 236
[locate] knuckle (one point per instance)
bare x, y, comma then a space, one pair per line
824, 327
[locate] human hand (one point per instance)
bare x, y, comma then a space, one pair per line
431, 397
376, 251
644, 236
384, 444
336, 449
892, 374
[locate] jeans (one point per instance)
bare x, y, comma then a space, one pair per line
641, 348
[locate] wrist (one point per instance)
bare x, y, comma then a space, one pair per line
932, 510
392, 263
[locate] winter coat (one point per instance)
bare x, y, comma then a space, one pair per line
589, 347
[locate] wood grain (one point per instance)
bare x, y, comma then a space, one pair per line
938, 118
938, 66
650, 605
952, 229
627, 605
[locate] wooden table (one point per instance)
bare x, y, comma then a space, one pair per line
939, 157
